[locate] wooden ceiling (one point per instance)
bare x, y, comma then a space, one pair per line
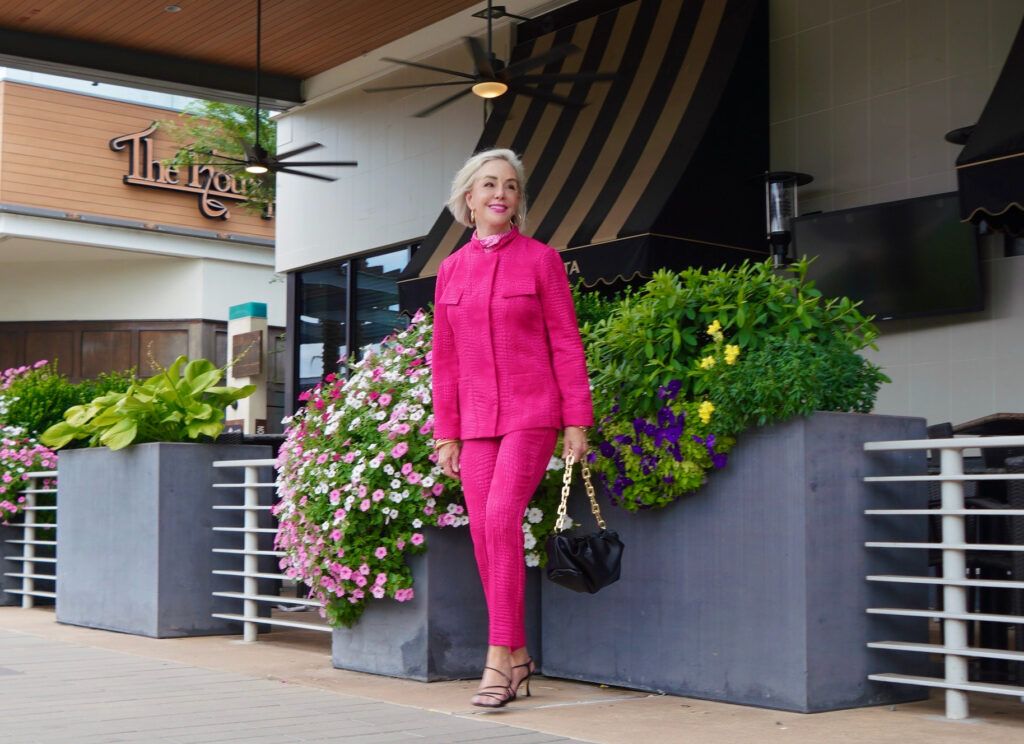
300, 37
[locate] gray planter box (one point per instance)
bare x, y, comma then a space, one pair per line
442, 632
135, 543
753, 589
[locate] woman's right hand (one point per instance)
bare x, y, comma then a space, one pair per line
448, 458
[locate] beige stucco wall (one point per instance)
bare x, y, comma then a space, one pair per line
862, 93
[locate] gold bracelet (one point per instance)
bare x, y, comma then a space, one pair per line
442, 442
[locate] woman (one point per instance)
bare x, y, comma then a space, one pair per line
508, 374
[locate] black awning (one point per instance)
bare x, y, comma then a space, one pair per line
990, 169
664, 158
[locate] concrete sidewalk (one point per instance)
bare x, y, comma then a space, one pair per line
63, 684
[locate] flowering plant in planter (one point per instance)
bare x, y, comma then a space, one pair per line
685, 364
19, 456
20, 453
358, 480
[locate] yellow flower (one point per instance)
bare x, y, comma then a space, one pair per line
715, 330
707, 362
705, 411
731, 352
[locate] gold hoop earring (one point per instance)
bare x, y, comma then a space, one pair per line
472, 216
514, 220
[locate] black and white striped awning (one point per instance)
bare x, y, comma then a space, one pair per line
661, 167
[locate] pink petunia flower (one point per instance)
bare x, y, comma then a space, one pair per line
364, 505
378, 495
417, 538
380, 552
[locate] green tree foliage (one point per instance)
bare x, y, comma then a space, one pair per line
208, 129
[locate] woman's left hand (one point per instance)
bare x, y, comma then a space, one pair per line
575, 440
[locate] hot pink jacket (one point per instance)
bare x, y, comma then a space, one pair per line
507, 353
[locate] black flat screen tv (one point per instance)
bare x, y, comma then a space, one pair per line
905, 258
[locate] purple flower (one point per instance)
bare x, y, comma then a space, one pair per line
638, 426
665, 417
669, 479
650, 430
674, 386
637, 449
718, 460
591, 456
662, 392
607, 450
623, 439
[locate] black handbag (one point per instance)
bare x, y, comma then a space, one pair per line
583, 563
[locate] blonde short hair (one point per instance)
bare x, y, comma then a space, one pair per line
463, 183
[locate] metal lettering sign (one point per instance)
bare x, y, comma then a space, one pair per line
211, 186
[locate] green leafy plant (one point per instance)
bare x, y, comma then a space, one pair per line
656, 334
786, 378
38, 398
181, 402
683, 365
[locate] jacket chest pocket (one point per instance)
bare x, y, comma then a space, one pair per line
520, 289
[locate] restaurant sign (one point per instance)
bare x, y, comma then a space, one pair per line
211, 186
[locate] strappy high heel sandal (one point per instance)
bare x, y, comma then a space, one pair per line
530, 667
500, 699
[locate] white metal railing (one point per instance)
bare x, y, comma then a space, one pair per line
34, 566
955, 614
251, 552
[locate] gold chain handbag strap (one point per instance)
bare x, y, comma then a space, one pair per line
566, 483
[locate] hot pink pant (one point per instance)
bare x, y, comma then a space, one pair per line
499, 475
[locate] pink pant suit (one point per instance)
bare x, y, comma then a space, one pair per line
508, 373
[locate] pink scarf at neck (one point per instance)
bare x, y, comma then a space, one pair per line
491, 242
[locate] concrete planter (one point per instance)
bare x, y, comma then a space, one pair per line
135, 552
441, 633
753, 590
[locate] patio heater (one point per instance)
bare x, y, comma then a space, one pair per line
780, 208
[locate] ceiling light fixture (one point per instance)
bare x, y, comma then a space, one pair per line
489, 88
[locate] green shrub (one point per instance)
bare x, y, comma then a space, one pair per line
683, 365
658, 334
37, 399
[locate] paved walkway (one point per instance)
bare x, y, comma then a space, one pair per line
60, 692
62, 684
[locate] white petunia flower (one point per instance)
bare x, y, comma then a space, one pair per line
417, 523
532, 559
529, 541
534, 515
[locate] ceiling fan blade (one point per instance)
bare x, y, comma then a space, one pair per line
278, 169
429, 67
481, 58
319, 162
408, 87
566, 77
445, 102
298, 150
545, 96
551, 55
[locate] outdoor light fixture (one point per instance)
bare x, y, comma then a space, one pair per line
497, 11
256, 169
780, 208
489, 88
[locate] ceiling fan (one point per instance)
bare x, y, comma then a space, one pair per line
258, 160
491, 77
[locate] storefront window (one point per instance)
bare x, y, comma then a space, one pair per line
376, 295
322, 322
347, 305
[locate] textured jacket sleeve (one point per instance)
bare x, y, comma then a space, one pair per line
567, 358
444, 367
